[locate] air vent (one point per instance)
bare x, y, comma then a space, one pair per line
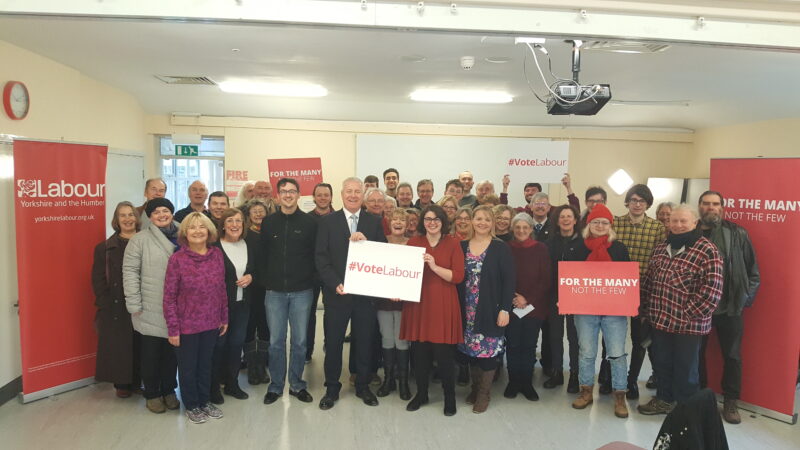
624, 46
173, 79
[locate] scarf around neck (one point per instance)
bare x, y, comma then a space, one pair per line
598, 247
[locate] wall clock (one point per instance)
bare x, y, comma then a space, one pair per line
16, 100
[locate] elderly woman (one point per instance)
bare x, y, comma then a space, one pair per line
413, 222
143, 268
256, 343
450, 206
434, 324
246, 193
486, 297
196, 311
532, 263
239, 258
117, 343
599, 244
462, 228
560, 245
663, 211
395, 350
502, 222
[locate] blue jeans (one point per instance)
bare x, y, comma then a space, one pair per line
615, 329
290, 308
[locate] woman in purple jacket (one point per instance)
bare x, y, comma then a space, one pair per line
196, 311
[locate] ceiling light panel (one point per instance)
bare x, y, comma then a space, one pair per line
460, 96
273, 88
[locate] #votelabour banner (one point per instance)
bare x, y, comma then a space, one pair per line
60, 218
761, 194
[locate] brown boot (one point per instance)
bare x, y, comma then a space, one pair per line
484, 387
584, 397
730, 411
620, 406
475, 373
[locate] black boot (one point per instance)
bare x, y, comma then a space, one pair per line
526, 387
215, 396
556, 379
389, 385
604, 377
463, 374
572, 384
262, 360
633, 389
449, 388
250, 356
232, 384
402, 374
512, 388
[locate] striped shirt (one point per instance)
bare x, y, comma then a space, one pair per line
640, 238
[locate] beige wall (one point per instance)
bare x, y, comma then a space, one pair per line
770, 139
65, 105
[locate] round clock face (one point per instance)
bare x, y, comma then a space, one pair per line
16, 100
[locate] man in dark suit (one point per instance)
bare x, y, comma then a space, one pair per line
333, 239
542, 225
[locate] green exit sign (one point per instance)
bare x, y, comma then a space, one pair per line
186, 150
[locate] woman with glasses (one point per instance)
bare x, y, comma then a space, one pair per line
433, 325
600, 244
502, 222
462, 228
450, 206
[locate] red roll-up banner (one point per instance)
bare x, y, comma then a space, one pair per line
60, 217
762, 196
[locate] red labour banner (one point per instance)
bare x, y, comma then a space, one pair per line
307, 172
60, 217
598, 288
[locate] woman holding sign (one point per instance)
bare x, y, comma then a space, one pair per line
599, 244
486, 296
434, 324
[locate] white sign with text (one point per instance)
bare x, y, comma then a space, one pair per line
377, 269
544, 163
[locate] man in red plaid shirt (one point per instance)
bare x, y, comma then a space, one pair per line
680, 291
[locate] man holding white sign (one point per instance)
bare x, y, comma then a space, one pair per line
334, 235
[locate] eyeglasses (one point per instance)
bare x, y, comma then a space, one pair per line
602, 223
541, 204
288, 192
637, 201
449, 208
432, 220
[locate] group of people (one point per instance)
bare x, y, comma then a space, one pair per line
199, 289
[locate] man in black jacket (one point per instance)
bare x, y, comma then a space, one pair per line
333, 239
288, 241
740, 283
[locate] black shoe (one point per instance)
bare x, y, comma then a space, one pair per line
529, 392
605, 388
270, 398
554, 381
651, 382
327, 402
216, 396
417, 402
367, 397
511, 390
633, 390
308, 359
235, 391
572, 385
450, 405
302, 395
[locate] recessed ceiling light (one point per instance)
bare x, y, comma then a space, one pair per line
273, 88
620, 181
235, 50
460, 96
498, 59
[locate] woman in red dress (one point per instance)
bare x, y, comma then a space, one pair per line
434, 324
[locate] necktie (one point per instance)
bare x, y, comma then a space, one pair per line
538, 228
353, 223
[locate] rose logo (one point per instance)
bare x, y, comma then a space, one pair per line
26, 188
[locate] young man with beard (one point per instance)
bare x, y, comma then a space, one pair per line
467, 180
741, 281
391, 178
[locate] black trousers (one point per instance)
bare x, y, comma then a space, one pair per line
637, 351
521, 337
444, 355
194, 362
377, 351
339, 310
257, 323
228, 349
676, 358
311, 333
159, 367
730, 330
556, 329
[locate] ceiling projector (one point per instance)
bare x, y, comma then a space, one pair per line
578, 100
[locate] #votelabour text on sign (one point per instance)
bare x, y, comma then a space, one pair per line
384, 270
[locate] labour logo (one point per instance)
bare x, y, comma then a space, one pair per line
26, 188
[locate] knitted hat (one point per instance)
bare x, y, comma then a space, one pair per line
156, 203
600, 211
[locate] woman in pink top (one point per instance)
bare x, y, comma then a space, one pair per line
196, 311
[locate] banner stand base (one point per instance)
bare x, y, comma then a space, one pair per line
785, 418
38, 395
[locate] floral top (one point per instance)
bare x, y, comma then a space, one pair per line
475, 344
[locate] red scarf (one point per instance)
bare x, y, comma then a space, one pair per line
527, 243
598, 247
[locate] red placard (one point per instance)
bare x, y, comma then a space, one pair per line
598, 288
60, 217
767, 206
307, 172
